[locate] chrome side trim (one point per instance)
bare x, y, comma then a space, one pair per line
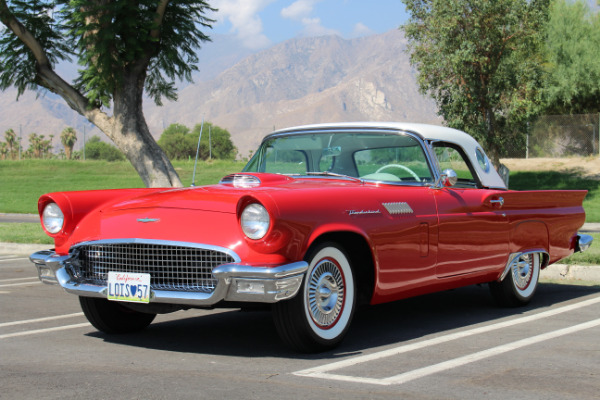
583, 242
278, 283
515, 256
398, 208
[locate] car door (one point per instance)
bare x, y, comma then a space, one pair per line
472, 228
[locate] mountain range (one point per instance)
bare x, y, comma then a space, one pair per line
300, 81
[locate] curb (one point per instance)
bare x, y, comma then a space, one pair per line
21, 249
563, 272
558, 272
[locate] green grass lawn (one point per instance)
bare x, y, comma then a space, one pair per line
23, 182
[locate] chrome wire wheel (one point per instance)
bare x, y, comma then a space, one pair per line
525, 273
326, 293
329, 293
522, 271
519, 285
319, 316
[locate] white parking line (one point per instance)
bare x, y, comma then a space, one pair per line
321, 372
22, 283
36, 331
43, 319
18, 279
14, 259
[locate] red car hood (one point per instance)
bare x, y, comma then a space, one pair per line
213, 198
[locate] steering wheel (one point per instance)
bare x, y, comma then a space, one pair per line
410, 171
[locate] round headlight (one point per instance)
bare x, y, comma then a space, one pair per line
53, 218
255, 221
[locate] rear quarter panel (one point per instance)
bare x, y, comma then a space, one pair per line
547, 219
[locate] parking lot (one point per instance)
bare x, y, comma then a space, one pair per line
451, 345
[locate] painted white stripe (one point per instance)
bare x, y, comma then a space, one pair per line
14, 259
320, 372
19, 279
43, 319
21, 284
36, 331
471, 358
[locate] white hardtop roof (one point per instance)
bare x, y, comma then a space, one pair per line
429, 132
488, 176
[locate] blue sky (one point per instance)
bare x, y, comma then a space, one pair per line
262, 23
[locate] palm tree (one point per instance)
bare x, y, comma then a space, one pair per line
11, 142
68, 137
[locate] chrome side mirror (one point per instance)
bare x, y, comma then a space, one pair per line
449, 178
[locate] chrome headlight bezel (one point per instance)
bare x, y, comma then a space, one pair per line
255, 221
53, 218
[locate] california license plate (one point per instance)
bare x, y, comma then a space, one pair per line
126, 286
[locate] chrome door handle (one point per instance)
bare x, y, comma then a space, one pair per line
500, 201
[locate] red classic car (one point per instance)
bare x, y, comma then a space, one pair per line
322, 218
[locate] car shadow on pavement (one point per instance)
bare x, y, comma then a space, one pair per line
253, 334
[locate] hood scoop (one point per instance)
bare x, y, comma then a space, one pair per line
241, 181
247, 180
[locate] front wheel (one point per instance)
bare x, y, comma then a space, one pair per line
519, 285
319, 316
111, 317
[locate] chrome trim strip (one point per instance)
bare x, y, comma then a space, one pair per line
583, 242
398, 208
225, 250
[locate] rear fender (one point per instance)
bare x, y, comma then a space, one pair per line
527, 236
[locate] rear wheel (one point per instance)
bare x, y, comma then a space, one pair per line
111, 317
519, 285
319, 316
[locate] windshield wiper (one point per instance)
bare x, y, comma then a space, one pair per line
327, 173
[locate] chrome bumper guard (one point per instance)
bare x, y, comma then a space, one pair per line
236, 282
583, 242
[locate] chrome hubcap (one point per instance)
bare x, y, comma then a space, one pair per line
522, 271
325, 293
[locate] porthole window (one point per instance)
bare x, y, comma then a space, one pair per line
483, 161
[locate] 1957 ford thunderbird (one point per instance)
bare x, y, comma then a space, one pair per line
323, 218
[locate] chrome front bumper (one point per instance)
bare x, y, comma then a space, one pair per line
236, 282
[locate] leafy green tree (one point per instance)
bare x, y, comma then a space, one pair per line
481, 61
124, 48
181, 143
95, 149
573, 65
178, 142
215, 143
68, 137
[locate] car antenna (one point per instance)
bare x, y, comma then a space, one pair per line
197, 152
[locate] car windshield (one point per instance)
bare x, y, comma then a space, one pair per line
384, 157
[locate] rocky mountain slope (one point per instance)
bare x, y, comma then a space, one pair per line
300, 81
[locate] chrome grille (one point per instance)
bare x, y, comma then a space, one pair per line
171, 267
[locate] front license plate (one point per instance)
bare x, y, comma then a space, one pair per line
126, 286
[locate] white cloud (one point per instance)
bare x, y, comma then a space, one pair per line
299, 9
243, 16
313, 27
361, 29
